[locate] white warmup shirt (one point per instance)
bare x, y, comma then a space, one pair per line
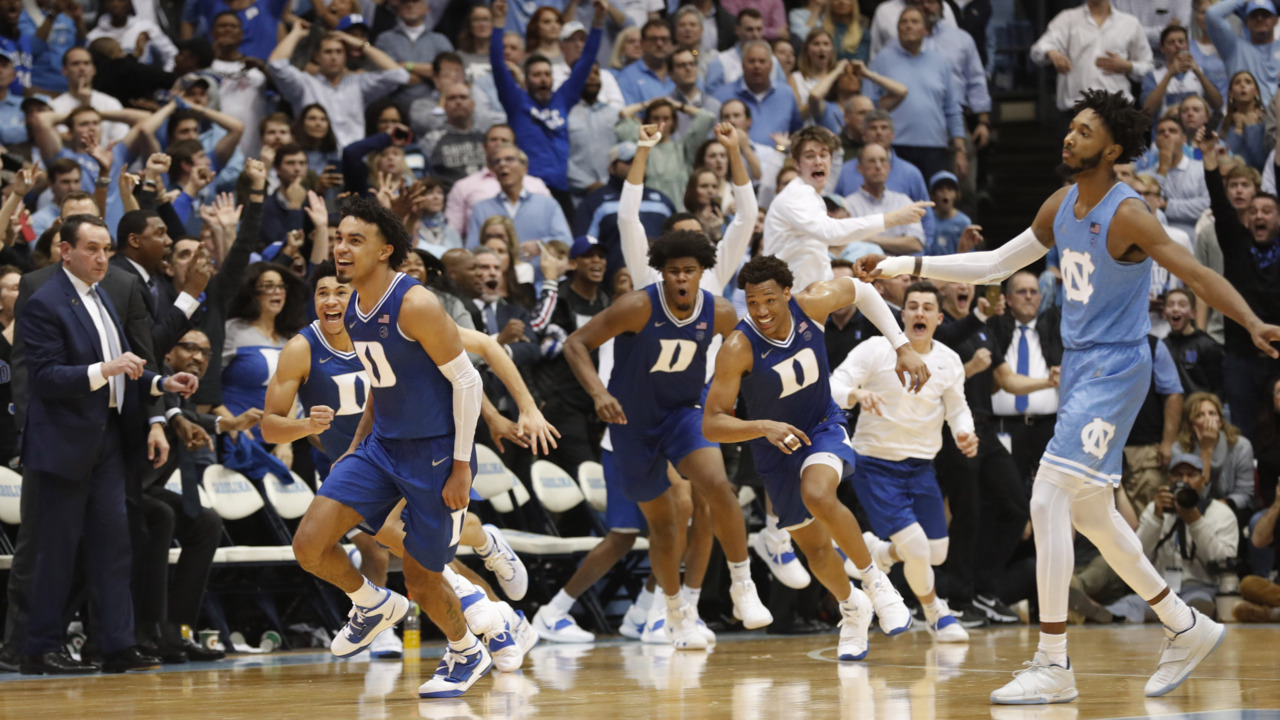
798, 231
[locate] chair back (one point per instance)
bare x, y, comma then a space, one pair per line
591, 480
555, 489
291, 500
231, 493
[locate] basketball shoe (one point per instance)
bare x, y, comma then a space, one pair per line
387, 646
505, 565
562, 629
457, 672
892, 612
747, 606
780, 556
682, 627
942, 625
1183, 652
855, 619
367, 622
632, 623
1039, 684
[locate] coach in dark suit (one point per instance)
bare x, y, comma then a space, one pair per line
143, 243
85, 388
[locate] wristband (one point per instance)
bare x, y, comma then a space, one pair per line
103, 182
409, 66
649, 143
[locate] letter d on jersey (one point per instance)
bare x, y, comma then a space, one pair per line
797, 372
675, 356
1096, 437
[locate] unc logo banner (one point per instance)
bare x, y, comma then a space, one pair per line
1077, 267
1096, 437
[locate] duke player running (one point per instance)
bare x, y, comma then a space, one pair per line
659, 373
1108, 238
777, 358
407, 445
319, 369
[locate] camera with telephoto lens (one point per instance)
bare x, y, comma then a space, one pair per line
1185, 496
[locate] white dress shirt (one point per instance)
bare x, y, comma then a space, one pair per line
910, 424
1074, 34
863, 203
112, 131
798, 231
97, 313
1040, 402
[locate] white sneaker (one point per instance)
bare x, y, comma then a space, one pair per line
854, 626
1039, 684
387, 646
707, 632
508, 647
945, 628
893, 613
747, 606
506, 565
849, 568
562, 629
655, 625
682, 626
633, 622
367, 622
457, 672
781, 559
478, 610
1183, 652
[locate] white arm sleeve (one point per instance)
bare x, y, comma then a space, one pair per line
467, 391
733, 246
635, 244
978, 268
869, 303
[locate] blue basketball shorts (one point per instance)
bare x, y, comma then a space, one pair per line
620, 514
642, 454
372, 480
781, 472
1102, 390
897, 493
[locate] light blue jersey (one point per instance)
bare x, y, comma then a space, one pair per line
1106, 364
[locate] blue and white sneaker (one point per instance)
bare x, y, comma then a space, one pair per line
506, 566
563, 629
457, 672
853, 627
706, 632
633, 622
781, 558
508, 647
367, 622
655, 625
478, 610
945, 628
849, 568
893, 614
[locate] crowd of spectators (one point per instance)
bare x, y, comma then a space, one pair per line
218, 138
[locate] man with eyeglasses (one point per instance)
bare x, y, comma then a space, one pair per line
641, 81
536, 217
684, 67
483, 183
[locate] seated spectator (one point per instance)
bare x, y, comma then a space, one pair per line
1207, 538
1198, 356
1244, 126
649, 78
118, 21
904, 177
1181, 77
382, 117
944, 190
430, 271
483, 184
505, 321
515, 277
874, 198
1226, 455
345, 94
412, 43
452, 138
537, 217
1261, 597
714, 157
669, 162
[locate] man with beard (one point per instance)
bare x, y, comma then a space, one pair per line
1198, 356
1106, 373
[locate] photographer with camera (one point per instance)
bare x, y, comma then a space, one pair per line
1188, 536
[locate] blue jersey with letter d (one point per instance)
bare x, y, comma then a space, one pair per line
336, 380
789, 381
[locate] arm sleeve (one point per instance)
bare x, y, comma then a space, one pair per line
635, 244
467, 389
870, 304
733, 246
979, 268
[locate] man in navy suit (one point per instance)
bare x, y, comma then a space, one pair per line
87, 390
143, 244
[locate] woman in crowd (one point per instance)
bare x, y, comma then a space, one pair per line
543, 35
714, 157
498, 233
1227, 455
669, 162
313, 132
626, 49
382, 117
268, 308
817, 60
1203, 50
473, 41
702, 188
1244, 126
842, 21
433, 234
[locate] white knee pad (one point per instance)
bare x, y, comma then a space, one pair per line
938, 550
913, 547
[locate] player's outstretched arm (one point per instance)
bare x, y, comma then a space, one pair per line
718, 423
532, 424
277, 424
1135, 221
628, 315
822, 298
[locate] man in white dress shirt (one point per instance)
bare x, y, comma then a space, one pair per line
1093, 46
797, 229
874, 198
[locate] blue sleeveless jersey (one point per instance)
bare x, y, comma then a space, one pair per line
412, 399
790, 381
664, 366
337, 380
1105, 300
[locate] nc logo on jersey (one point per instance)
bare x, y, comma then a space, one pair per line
1096, 437
1077, 267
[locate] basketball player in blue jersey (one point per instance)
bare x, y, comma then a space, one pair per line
1108, 238
651, 403
777, 358
414, 441
318, 368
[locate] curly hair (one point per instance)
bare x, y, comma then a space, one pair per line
682, 244
390, 227
245, 305
1125, 121
762, 269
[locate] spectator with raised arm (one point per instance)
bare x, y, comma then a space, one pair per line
672, 161
118, 21
260, 20
1181, 76
61, 28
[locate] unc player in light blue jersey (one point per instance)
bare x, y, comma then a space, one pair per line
407, 445
1108, 238
659, 374
777, 358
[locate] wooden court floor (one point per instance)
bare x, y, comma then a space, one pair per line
746, 677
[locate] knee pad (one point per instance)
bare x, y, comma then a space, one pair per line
912, 544
938, 550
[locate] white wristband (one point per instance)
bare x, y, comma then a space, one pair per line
649, 143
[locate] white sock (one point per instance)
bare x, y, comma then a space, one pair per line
464, 644
561, 604
369, 595
740, 570
933, 610
674, 602
645, 600
1054, 647
487, 549
1174, 613
692, 595
849, 605
869, 573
